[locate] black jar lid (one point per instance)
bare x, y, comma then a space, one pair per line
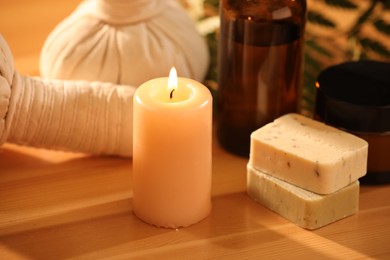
355, 96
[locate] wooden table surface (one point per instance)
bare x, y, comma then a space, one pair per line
57, 205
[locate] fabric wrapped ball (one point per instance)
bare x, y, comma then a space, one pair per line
125, 42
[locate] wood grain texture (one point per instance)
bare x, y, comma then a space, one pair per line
58, 205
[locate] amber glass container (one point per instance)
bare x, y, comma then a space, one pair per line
355, 97
259, 66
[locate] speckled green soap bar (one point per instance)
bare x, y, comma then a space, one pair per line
308, 154
304, 208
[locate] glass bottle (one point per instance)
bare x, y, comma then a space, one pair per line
260, 66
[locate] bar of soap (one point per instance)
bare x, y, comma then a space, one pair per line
304, 208
308, 153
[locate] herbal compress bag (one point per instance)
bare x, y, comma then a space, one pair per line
71, 115
125, 42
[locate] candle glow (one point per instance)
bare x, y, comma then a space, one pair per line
172, 82
172, 135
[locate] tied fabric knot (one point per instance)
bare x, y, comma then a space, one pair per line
123, 12
125, 42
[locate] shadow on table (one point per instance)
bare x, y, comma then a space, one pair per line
237, 228
368, 231
80, 207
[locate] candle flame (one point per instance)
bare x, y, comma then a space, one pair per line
172, 81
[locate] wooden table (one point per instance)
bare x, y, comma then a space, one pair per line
57, 205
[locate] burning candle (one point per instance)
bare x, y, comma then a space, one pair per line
172, 151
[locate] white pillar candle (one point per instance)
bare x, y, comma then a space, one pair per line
172, 152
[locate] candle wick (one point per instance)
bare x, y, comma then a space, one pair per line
171, 94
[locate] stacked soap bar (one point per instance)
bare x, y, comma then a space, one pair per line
305, 170
306, 209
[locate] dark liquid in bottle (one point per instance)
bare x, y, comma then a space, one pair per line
259, 77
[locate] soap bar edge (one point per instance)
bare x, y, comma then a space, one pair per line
253, 175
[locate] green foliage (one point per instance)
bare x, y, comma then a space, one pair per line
320, 19
382, 26
375, 46
319, 49
366, 15
315, 52
346, 4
